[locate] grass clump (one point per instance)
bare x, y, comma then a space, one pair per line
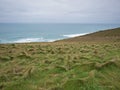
60, 66
5, 58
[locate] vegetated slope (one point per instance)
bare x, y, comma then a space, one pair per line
111, 35
60, 66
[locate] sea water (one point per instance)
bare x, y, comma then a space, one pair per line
47, 32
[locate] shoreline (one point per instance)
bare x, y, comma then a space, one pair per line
66, 37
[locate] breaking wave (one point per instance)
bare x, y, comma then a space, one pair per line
28, 40
74, 35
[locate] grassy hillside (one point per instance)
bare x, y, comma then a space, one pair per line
60, 66
111, 35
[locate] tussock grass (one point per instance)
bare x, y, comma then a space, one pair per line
106, 64
28, 72
60, 66
5, 58
23, 55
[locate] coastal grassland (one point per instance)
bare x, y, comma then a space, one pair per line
60, 66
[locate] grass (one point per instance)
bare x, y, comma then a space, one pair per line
60, 66
110, 35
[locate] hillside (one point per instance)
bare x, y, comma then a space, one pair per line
111, 35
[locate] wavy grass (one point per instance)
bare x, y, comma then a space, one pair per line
60, 66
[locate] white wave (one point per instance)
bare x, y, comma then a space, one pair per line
75, 35
26, 40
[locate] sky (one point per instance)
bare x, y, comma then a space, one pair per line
60, 11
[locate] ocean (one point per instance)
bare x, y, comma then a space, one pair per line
28, 32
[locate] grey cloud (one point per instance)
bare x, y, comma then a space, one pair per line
60, 11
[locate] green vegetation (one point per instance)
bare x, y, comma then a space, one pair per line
60, 66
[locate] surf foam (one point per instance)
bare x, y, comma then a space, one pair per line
74, 35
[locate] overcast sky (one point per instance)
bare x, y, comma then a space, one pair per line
60, 11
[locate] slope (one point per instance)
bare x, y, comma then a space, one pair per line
111, 35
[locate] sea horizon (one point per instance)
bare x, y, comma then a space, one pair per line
47, 32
